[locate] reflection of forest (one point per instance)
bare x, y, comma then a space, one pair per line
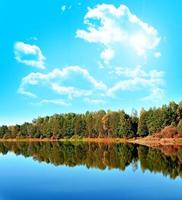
167, 160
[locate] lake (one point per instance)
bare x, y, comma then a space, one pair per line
89, 171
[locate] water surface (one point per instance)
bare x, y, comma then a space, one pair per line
89, 171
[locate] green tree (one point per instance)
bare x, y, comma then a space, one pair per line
179, 127
125, 126
142, 124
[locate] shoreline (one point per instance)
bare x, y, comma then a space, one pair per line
147, 141
98, 140
155, 142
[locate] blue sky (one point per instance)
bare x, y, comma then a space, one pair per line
73, 56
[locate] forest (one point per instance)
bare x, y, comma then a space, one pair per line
115, 124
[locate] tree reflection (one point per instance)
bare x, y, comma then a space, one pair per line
167, 160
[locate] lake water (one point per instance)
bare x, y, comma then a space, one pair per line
89, 171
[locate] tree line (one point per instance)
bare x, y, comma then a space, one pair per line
117, 124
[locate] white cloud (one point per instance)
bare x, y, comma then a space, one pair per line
63, 8
54, 80
114, 29
129, 72
108, 25
156, 94
107, 55
100, 64
133, 79
22, 90
70, 91
138, 79
60, 102
157, 54
138, 71
29, 55
77, 69
94, 101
